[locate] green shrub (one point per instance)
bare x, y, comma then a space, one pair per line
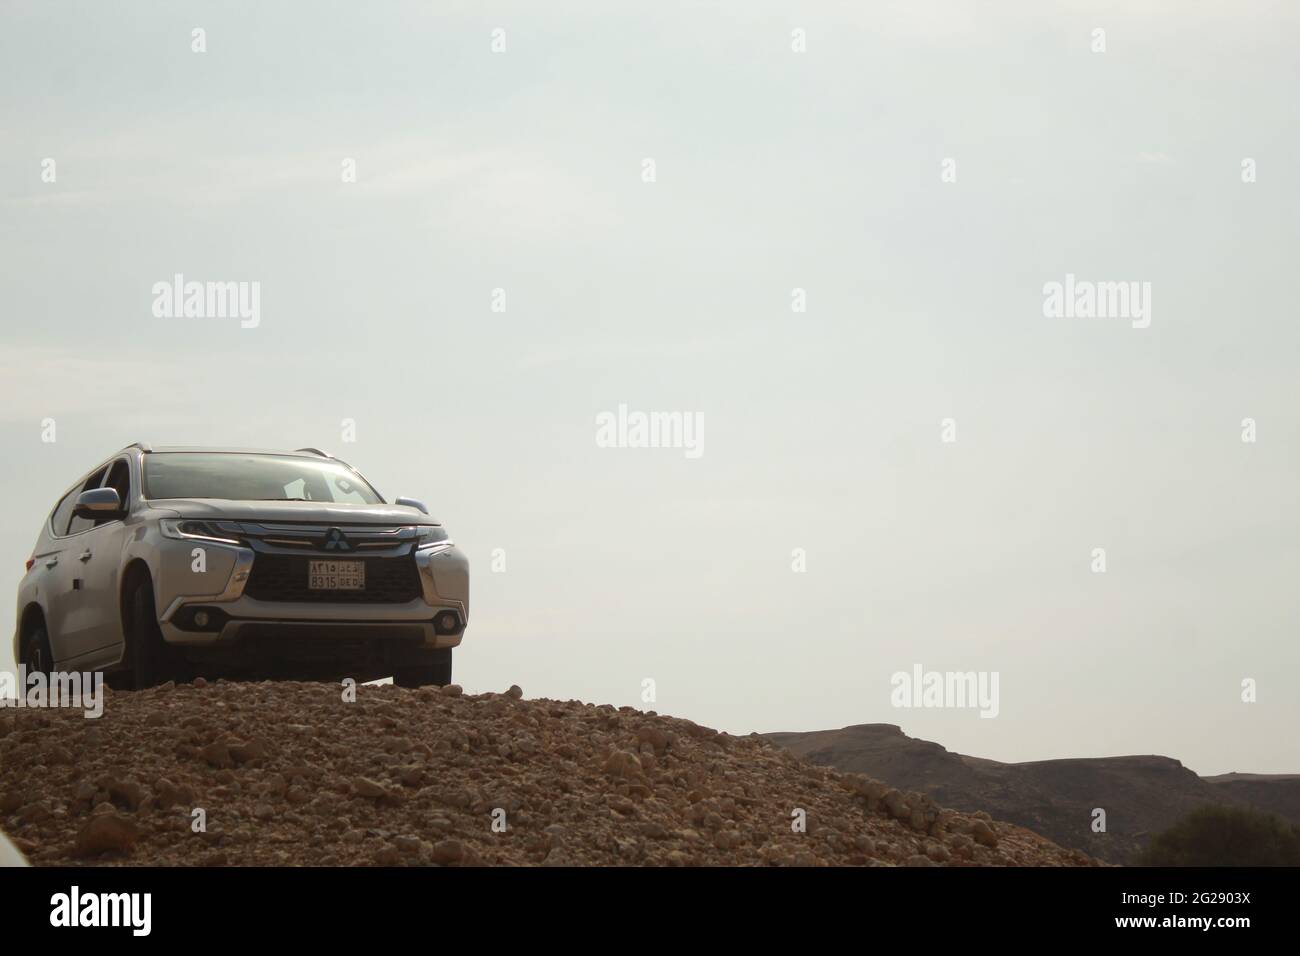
1215, 835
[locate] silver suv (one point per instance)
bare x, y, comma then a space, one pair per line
171, 562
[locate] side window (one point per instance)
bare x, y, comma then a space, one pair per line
94, 481
63, 511
119, 479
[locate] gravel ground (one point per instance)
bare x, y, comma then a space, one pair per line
273, 774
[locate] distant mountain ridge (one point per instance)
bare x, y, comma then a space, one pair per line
1141, 795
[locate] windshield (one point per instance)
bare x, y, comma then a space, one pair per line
237, 477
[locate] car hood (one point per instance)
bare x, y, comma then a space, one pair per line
311, 512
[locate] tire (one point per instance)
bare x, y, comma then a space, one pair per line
36, 654
146, 651
437, 672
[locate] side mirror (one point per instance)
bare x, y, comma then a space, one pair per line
101, 503
412, 503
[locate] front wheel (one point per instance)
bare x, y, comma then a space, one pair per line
436, 671
146, 650
36, 655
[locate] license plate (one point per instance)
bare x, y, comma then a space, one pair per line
336, 575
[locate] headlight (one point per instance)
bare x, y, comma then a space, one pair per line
429, 536
189, 529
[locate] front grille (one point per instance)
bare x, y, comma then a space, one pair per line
283, 577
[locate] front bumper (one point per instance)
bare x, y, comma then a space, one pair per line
219, 581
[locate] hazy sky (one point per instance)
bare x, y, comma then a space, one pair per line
775, 170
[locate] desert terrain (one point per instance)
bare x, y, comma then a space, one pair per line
218, 774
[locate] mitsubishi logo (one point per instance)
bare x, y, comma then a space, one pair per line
336, 540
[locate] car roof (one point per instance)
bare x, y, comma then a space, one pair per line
221, 450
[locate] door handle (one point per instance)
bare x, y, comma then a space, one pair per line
52, 562
85, 555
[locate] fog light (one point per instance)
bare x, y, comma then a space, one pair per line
448, 621
208, 619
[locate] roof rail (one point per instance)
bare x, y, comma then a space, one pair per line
143, 446
316, 451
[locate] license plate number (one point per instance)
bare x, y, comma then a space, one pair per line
336, 575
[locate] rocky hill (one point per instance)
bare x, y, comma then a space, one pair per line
1273, 792
292, 773
1141, 795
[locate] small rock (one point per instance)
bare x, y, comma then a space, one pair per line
248, 752
168, 794
38, 811
558, 856
126, 793
407, 844
622, 763
654, 736
727, 839
104, 833
448, 852
983, 833
365, 787
895, 803
217, 755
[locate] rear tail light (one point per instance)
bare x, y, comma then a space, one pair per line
30, 562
